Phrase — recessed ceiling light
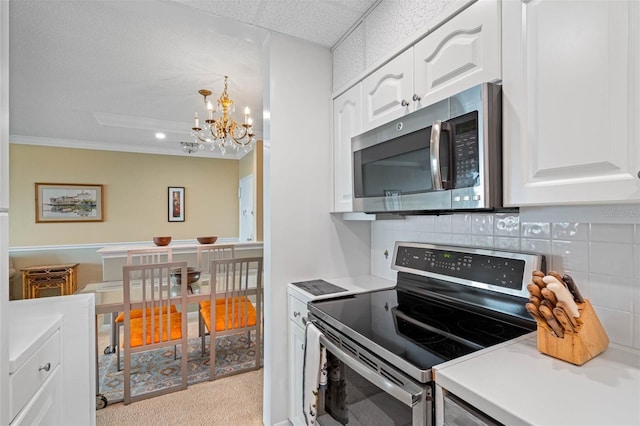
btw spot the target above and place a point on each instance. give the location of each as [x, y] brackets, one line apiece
[160, 135]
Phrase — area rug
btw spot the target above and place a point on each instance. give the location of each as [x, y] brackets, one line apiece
[154, 370]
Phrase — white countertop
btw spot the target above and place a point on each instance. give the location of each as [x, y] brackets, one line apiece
[353, 285]
[516, 384]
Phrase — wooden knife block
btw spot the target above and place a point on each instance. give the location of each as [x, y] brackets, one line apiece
[588, 341]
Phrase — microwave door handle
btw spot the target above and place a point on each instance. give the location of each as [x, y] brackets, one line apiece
[434, 156]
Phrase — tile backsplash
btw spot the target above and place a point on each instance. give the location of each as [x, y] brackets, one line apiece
[603, 258]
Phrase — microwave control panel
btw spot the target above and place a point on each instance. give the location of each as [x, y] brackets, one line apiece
[465, 141]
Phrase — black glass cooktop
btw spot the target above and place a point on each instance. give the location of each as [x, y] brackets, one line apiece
[423, 331]
[319, 287]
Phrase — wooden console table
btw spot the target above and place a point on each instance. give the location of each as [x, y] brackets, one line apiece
[35, 279]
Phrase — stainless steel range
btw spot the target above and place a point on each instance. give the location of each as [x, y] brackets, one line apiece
[448, 302]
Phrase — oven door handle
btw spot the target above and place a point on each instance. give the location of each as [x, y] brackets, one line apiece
[408, 393]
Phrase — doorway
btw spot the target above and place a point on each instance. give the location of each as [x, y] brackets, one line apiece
[245, 194]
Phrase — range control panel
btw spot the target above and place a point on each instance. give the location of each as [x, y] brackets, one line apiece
[488, 269]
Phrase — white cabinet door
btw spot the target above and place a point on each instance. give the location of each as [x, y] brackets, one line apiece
[387, 93]
[347, 122]
[45, 408]
[296, 361]
[571, 101]
[460, 54]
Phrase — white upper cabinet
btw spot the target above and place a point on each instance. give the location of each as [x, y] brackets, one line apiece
[387, 92]
[571, 101]
[462, 53]
[346, 124]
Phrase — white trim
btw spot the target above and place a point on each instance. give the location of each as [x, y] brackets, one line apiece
[97, 246]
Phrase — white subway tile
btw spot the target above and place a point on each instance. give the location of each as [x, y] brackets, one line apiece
[461, 239]
[426, 223]
[461, 223]
[442, 224]
[637, 239]
[441, 238]
[537, 246]
[411, 223]
[636, 331]
[611, 232]
[570, 231]
[482, 241]
[618, 325]
[571, 255]
[506, 225]
[636, 262]
[613, 292]
[611, 259]
[482, 224]
[411, 236]
[535, 230]
[426, 237]
[507, 243]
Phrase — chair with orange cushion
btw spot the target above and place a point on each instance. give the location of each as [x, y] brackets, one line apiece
[148, 321]
[140, 257]
[236, 306]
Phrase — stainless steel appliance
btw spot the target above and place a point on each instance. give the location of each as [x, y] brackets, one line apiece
[446, 156]
[448, 302]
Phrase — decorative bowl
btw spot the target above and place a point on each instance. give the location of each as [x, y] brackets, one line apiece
[161, 241]
[207, 240]
[193, 275]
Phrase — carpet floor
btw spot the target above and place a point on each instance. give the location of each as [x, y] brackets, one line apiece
[153, 370]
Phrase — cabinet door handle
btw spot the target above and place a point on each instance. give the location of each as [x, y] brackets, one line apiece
[45, 367]
[296, 314]
[416, 97]
[404, 103]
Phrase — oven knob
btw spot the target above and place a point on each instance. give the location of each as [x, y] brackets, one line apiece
[465, 198]
[476, 198]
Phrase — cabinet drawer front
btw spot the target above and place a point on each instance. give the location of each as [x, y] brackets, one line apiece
[26, 381]
[297, 310]
[45, 407]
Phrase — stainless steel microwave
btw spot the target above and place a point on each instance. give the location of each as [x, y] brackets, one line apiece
[443, 157]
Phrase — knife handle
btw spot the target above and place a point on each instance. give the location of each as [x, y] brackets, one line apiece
[565, 308]
[535, 313]
[548, 304]
[537, 274]
[549, 295]
[535, 300]
[539, 282]
[555, 275]
[551, 320]
[563, 319]
[534, 290]
[573, 288]
[563, 295]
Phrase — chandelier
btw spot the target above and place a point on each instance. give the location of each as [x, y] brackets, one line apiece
[224, 132]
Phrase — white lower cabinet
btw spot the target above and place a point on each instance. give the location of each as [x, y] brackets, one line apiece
[45, 407]
[35, 380]
[571, 101]
[297, 311]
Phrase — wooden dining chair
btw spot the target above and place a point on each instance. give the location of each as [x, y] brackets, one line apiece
[147, 294]
[140, 257]
[205, 253]
[236, 306]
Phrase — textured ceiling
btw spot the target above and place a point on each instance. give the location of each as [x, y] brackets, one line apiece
[110, 74]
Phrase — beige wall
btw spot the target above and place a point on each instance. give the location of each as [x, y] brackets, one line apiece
[135, 195]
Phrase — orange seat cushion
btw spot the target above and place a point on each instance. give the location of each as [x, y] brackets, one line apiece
[137, 332]
[240, 312]
[137, 313]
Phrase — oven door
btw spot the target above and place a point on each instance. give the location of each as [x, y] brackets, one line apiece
[372, 396]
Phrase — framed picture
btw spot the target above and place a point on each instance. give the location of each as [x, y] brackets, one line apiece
[176, 204]
[69, 202]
